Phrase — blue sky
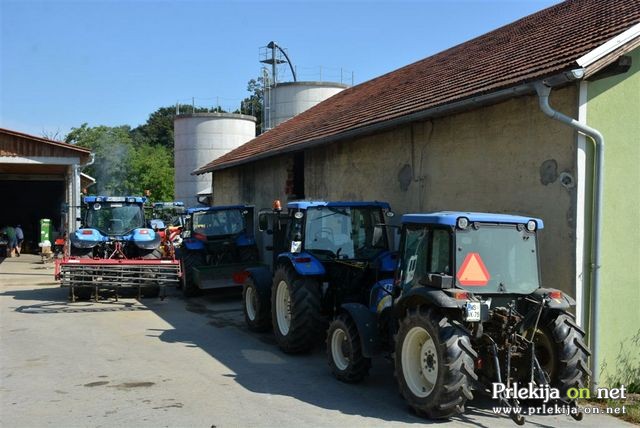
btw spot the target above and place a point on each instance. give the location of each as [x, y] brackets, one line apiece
[115, 62]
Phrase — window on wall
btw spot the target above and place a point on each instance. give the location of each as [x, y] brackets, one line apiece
[295, 177]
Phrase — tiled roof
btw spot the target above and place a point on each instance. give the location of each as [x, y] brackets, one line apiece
[539, 45]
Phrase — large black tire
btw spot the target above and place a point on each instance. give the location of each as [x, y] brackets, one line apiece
[561, 351]
[190, 259]
[437, 358]
[297, 322]
[344, 351]
[81, 293]
[256, 307]
[83, 253]
[150, 291]
[154, 254]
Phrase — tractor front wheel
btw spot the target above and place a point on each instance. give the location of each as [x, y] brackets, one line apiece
[434, 364]
[295, 311]
[344, 351]
[256, 307]
[190, 260]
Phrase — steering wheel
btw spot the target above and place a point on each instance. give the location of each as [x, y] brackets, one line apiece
[325, 232]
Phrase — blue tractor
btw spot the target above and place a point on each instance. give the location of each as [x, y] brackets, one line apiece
[325, 254]
[218, 246]
[115, 249]
[465, 309]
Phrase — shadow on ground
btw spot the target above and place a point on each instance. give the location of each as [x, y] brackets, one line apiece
[256, 363]
[215, 324]
[54, 300]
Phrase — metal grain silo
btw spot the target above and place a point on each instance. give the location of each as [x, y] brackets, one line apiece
[201, 138]
[286, 100]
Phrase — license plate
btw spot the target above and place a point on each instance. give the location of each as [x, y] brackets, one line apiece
[472, 311]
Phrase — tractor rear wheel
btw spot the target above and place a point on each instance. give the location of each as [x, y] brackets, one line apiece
[344, 351]
[434, 364]
[151, 290]
[561, 351]
[190, 260]
[295, 311]
[256, 308]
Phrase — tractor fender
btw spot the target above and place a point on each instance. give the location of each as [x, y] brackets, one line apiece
[564, 303]
[146, 239]
[367, 325]
[424, 296]
[261, 276]
[81, 240]
[245, 240]
[193, 244]
[387, 261]
[304, 263]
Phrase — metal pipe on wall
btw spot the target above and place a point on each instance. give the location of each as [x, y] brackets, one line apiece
[543, 92]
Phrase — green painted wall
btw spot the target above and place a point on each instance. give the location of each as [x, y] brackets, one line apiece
[614, 109]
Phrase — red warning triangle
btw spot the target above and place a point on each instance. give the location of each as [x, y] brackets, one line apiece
[473, 271]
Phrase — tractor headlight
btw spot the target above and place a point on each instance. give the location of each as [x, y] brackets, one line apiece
[462, 222]
[298, 215]
[531, 225]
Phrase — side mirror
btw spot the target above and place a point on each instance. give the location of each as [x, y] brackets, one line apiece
[263, 221]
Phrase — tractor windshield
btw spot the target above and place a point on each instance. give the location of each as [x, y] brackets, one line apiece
[497, 259]
[345, 232]
[114, 218]
[219, 222]
[170, 215]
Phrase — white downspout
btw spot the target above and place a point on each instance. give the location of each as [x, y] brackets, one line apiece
[543, 92]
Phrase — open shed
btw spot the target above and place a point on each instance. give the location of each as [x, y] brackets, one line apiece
[40, 179]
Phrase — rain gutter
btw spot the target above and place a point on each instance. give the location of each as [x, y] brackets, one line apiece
[543, 91]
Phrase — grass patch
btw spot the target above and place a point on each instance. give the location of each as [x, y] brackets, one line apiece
[631, 405]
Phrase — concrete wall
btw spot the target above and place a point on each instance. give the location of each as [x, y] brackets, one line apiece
[502, 158]
[614, 109]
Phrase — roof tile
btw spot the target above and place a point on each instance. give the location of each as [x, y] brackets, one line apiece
[536, 46]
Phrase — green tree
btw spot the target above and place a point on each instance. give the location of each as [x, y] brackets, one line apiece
[112, 147]
[253, 104]
[158, 129]
[151, 168]
[122, 167]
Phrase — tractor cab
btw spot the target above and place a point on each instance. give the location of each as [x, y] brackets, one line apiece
[488, 254]
[218, 246]
[329, 231]
[114, 215]
[224, 233]
[167, 214]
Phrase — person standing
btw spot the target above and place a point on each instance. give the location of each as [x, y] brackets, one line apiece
[11, 237]
[19, 239]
